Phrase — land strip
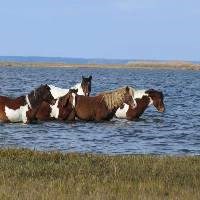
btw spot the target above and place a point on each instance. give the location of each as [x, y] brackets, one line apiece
[131, 65]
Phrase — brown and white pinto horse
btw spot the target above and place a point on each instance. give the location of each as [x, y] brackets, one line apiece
[62, 109]
[103, 106]
[24, 108]
[144, 98]
[84, 88]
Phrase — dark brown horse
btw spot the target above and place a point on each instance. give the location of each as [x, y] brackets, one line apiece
[103, 106]
[24, 108]
[144, 98]
[62, 109]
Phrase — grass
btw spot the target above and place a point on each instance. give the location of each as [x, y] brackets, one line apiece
[26, 174]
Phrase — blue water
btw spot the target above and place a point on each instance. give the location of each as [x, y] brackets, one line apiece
[175, 132]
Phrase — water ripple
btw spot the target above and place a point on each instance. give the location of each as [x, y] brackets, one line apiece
[177, 131]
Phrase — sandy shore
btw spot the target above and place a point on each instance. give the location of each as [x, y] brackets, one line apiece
[131, 65]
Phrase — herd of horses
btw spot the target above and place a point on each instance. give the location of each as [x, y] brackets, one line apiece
[48, 102]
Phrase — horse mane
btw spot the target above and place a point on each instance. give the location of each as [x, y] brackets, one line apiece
[114, 98]
[35, 96]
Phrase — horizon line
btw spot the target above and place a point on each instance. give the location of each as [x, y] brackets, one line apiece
[99, 58]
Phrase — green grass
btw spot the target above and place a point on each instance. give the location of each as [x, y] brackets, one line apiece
[26, 174]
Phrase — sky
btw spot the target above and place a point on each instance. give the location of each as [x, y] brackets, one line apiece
[121, 29]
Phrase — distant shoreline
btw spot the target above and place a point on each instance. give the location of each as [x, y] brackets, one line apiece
[131, 65]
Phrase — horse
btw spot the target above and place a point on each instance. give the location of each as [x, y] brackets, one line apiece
[103, 106]
[144, 99]
[84, 88]
[48, 112]
[62, 109]
[24, 108]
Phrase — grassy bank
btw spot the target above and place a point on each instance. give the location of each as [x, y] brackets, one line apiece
[29, 174]
[131, 65]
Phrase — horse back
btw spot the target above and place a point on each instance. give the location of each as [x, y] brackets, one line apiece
[13, 103]
[91, 108]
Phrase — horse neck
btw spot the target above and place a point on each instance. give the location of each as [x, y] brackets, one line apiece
[79, 87]
[32, 100]
[142, 105]
[113, 103]
[65, 111]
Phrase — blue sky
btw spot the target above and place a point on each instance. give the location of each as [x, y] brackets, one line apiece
[127, 29]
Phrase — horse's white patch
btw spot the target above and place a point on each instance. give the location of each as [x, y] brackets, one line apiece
[121, 113]
[80, 89]
[139, 94]
[135, 103]
[151, 101]
[55, 110]
[28, 102]
[18, 115]
[57, 92]
[74, 100]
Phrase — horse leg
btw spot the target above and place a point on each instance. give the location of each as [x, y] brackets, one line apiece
[43, 112]
[3, 117]
[109, 117]
[71, 116]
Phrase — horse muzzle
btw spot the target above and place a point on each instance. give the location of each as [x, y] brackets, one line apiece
[162, 109]
[133, 105]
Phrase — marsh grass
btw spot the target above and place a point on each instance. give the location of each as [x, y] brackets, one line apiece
[26, 174]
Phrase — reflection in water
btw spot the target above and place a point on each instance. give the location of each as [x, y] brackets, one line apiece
[177, 131]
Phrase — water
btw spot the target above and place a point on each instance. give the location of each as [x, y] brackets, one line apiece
[175, 132]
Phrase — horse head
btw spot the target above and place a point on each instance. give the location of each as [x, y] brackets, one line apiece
[40, 94]
[157, 99]
[86, 85]
[69, 98]
[128, 98]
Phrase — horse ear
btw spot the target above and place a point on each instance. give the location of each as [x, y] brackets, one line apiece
[46, 86]
[83, 77]
[127, 89]
[90, 77]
